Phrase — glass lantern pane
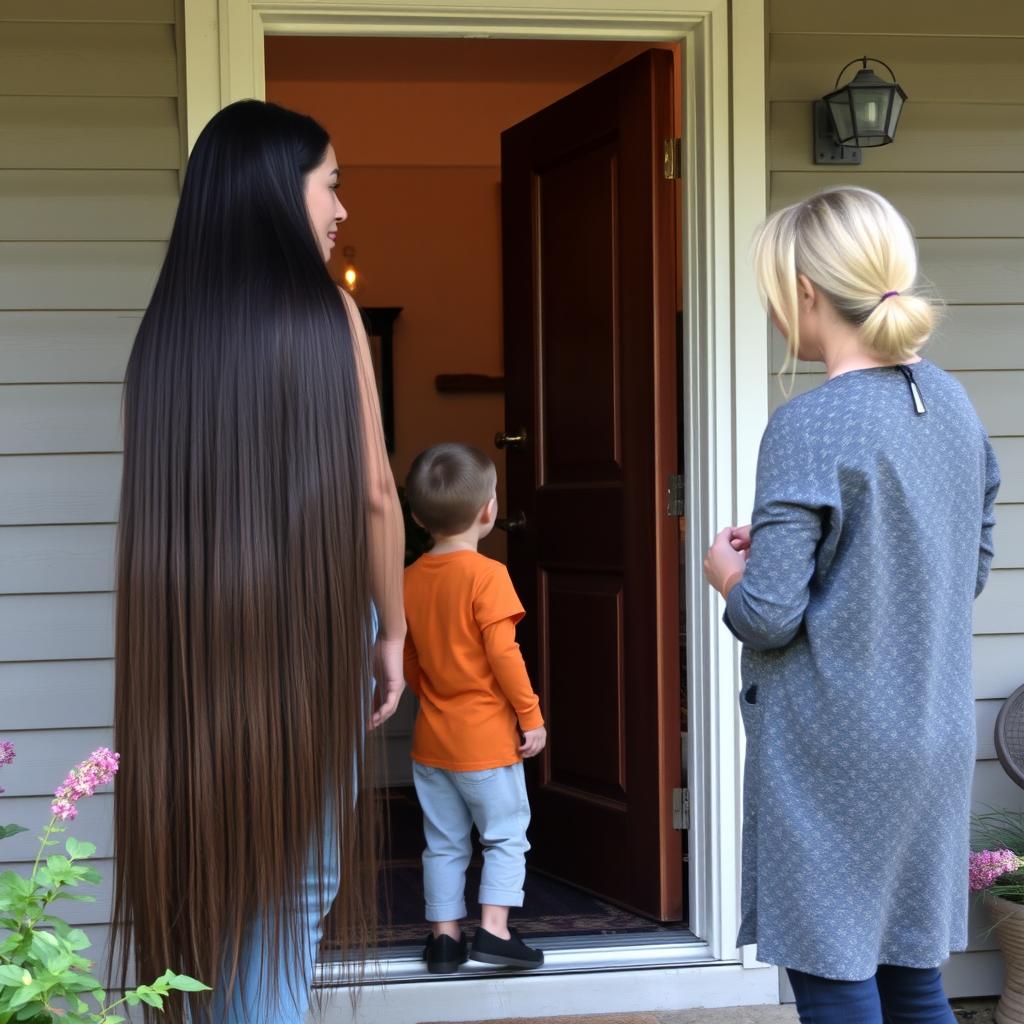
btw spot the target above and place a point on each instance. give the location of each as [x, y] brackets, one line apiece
[871, 107]
[842, 116]
[894, 114]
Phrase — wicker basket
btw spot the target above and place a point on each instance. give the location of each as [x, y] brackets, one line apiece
[1008, 919]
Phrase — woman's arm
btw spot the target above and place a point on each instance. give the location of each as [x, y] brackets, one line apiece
[385, 527]
[765, 606]
[988, 518]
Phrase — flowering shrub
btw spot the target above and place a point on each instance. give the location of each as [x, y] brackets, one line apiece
[988, 865]
[43, 975]
[997, 869]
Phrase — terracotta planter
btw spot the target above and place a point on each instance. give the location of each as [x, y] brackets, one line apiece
[1008, 919]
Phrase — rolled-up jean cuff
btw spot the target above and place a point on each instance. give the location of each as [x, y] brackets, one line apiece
[446, 911]
[501, 897]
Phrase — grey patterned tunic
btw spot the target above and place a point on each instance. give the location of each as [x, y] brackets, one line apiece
[871, 537]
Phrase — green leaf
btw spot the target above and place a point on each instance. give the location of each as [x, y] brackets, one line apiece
[77, 850]
[77, 939]
[131, 999]
[111, 1019]
[6, 831]
[89, 875]
[11, 975]
[15, 885]
[152, 998]
[75, 897]
[183, 983]
[24, 995]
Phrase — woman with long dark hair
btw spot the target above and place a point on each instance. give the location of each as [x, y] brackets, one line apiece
[260, 529]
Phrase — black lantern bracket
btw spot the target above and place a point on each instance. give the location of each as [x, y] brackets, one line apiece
[864, 112]
[826, 149]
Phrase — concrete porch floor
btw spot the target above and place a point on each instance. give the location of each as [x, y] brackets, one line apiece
[968, 1011]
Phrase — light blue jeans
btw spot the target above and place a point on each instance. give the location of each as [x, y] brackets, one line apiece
[453, 802]
[252, 1001]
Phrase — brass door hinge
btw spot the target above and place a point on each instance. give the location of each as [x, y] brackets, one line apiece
[680, 809]
[673, 159]
[676, 505]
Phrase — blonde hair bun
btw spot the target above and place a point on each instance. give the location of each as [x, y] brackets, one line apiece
[854, 245]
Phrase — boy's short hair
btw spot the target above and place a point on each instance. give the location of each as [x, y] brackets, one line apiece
[447, 486]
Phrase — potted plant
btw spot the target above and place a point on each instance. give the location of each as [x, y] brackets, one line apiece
[45, 975]
[997, 872]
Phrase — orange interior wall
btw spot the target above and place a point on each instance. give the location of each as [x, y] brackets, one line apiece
[416, 124]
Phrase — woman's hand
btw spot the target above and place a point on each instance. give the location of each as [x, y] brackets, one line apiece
[390, 675]
[724, 563]
[740, 538]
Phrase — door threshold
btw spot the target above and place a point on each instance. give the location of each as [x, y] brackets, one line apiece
[562, 955]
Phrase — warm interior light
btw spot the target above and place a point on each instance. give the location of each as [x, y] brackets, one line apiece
[350, 276]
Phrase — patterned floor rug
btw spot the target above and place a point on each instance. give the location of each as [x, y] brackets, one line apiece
[552, 908]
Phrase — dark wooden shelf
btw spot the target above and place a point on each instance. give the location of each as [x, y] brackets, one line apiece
[469, 383]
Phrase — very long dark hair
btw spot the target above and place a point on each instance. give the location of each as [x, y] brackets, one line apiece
[243, 604]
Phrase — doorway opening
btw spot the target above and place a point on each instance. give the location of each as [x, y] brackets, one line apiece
[417, 124]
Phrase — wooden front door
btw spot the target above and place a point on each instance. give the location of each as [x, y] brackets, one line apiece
[589, 233]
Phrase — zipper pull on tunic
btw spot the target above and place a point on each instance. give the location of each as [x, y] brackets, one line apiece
[915, 391]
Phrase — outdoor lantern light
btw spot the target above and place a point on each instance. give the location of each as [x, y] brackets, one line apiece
[864, 112]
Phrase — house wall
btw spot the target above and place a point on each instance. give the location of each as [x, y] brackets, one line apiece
[956, 171]
[90, 155]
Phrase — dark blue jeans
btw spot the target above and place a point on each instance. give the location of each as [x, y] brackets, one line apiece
[895, 995]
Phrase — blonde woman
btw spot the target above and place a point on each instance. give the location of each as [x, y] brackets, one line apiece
[851, 592]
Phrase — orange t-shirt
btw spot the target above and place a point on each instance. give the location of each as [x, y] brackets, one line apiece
[463, 662]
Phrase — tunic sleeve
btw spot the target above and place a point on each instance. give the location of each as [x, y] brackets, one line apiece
[988, 518]
[765, 609]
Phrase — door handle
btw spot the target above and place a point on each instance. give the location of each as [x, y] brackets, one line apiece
[516, 440]
[513, 524]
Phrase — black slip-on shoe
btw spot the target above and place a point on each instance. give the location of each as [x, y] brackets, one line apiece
[512, 952]
[443, 954]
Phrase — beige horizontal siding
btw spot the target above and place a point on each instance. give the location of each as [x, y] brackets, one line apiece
[78, 275]
[103, 11]
[932, 137]
[1000, 609]
[123, 133]
[45, 756]
[47, 59]
[42, 347]
[57, 694]
[93, 825]
[46, 489]
[995, 18]
[965, 338]
[953, 205]
[56, 560]
[45, 418]
[931, 69]
[90, 153]
[46, 627]
[997, 664]
[87, 206]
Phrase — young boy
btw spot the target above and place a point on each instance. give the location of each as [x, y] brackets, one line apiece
[463, 663]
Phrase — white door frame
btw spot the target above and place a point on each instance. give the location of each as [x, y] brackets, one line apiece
[726, 343]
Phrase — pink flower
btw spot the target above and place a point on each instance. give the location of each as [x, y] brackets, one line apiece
[988, 865]
[97, 770]
[6, 755]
